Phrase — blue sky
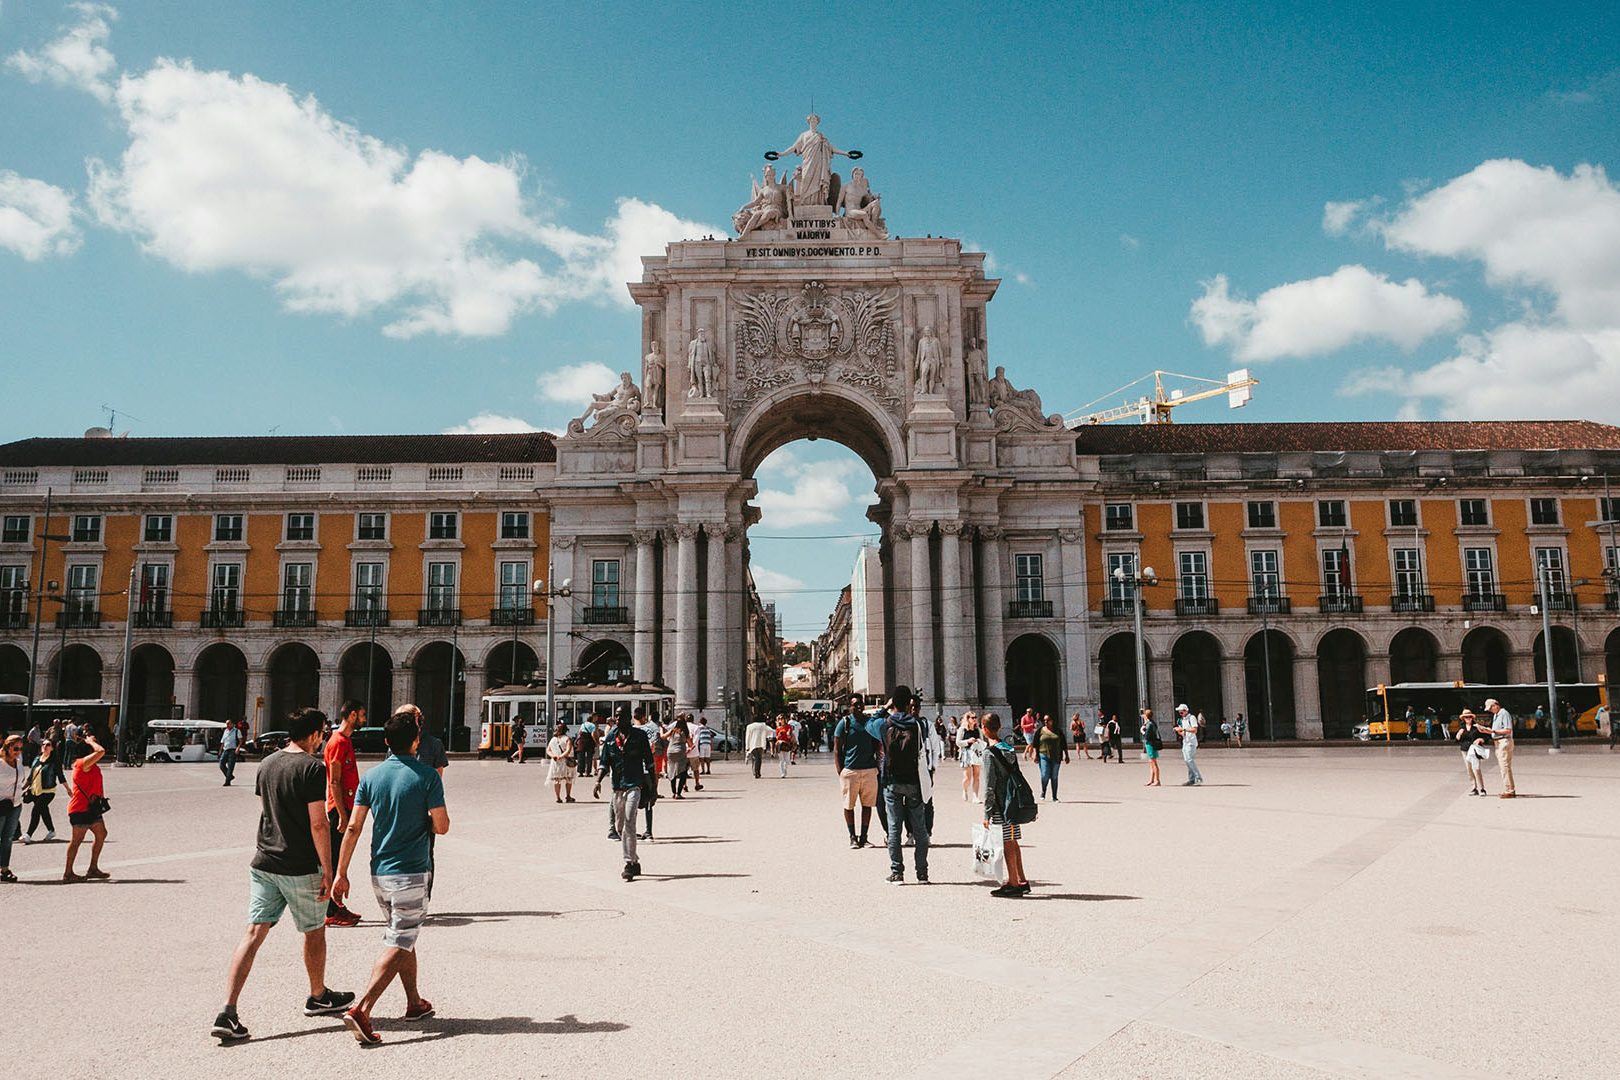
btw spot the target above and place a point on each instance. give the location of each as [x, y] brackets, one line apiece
[245, 217]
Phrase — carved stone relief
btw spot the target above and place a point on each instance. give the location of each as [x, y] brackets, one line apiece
[783, 338]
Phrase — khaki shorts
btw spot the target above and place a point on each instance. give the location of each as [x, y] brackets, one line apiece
[859, 785]
[271, 894]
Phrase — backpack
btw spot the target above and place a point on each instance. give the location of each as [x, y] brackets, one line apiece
[901, 743]
[1018, 804]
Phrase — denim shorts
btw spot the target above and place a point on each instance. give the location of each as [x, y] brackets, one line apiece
[403, 899]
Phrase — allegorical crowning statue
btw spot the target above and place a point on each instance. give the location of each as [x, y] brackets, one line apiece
[813, 184]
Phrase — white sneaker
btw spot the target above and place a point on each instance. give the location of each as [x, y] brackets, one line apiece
[50, 834]
[27, 839]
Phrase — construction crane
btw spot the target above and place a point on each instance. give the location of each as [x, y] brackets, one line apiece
[1156, 410]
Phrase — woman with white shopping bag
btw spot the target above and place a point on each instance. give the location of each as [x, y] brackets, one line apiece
[1002, 780]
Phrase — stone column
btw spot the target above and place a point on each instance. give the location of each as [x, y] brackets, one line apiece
[1235, 693]
[714, 601]
[955, 627]
[646, 634]
[1307, 699]
[258, 688]
[686, 616]
[330, 696]
[185, 685]
[995, 604]
[1078, 688]
[922, 611]
[968, 630]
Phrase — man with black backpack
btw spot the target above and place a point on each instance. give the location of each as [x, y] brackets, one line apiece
[906, 762]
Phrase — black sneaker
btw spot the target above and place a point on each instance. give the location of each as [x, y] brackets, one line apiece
[1008, 892]
[854, 843]
[613, 836]
[227, 1028]
[635, 868]
[629, 872]
[922, 879]
[330, 1003]
[862, 842]
[897, 878]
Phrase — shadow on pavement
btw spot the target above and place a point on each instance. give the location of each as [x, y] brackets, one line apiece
[1522, 795]
[468, 918]
[696, 840]
[689, 877]
[448, 1027]
[1087, 897]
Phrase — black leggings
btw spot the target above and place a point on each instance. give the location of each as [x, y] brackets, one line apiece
[42, 812]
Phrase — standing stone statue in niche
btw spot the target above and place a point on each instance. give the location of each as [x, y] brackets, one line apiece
[863, 208]
[702, 368]
[930, 363]
[978, 389]
[812, 184]
[654, 376]
[769, 205]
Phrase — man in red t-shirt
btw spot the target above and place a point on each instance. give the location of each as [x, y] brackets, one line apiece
[342, 780]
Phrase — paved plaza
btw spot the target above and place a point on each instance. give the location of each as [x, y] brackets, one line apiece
[1306, 913]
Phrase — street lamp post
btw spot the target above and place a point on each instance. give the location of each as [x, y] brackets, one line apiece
[120, 746]
[1545, 576]
[1136, 582]
[371, 649]
[450, 706]
[543, 588]
[45, 539]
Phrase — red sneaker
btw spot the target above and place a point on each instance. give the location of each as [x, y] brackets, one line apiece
[420, 1011]
[343, 918]
[359, 1023]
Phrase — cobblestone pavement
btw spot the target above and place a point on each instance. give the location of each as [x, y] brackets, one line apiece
[1305, 913]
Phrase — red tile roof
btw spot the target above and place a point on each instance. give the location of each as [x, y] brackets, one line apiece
[1377, 435]
[282, 450]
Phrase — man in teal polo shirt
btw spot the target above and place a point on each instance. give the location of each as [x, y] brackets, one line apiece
[405, 800]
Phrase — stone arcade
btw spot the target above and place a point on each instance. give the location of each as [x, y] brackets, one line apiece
[814, 322]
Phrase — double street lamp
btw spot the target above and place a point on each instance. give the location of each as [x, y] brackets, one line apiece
[1136, 583]
[542, 589]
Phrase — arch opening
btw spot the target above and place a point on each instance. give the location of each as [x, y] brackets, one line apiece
[13, 670]
[1270, 700]
[78, 672]
[1485, 653]
[1566, 659]
[151, 685]
[1034, 675]
[605, 661]
[1414, 656]
[1195, 676]
[440, 689]
[295, 683]
[1116, 680]
[366, 672]
[1341, 673]
[221, 683]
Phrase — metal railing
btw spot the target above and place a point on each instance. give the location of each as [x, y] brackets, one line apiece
[512, 616]
[438, 617]
[1197, 605]
[293, 617]
[154, 620]
[79, 618]
[1270, 605]
[365, 616]
[1339, 603]
[602, 615]
[1117, 607]
[1029, 609]
[221, 618]
[1409, 602]
[1484, 602]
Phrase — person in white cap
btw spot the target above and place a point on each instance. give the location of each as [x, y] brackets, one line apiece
[1187, 728]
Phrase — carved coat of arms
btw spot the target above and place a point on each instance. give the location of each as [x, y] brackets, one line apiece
[782, 338]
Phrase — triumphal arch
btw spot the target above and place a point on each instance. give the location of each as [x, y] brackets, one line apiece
[813, 320]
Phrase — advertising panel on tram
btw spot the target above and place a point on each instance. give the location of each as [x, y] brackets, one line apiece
[505, 706]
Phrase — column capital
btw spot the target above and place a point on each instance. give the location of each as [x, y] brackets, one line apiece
[916, 527]
[644, 536]
[685, 530]
[1071, 536]
[991, 532]
[563, 542]
[951, 528]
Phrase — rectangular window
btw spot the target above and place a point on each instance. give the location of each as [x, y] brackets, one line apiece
[1119, 517]
[227, 528]
[1550, 568]
[297, 586]
[605, 583]
[15, 529]
[1262, 515]
[154, 588]
[1479, 577]
[1473, 512]
[1028, 578]
[1194, 575]
[1609, 509]
[514, 585]
[300, 526]
[514, 525]
[368, 586]
[225, 588]
[441, 586]
[1408, 572]
[371, 527]
[1189, 515]
[1119, 584]
[1403, 512]
[1335, 572]
[13, 590]
[1264, 577]
[81, 588]
[87, 529]
[1544, 511]
[442, 526]
[1330, 514]
[159, 529]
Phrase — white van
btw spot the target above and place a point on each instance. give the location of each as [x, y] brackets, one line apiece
[183, 740]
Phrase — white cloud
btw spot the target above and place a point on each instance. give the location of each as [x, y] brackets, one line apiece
[78, 58]
[227, 172]
[36, 218]
[1529, 227]
[1337, 217]
[1129, 242]
[489, 423]
[1519, 370]
[573, 384]
[819, 493]
[774, 581]
[1321, 315]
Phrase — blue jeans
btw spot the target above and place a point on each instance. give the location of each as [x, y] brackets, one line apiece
[10, 819]
[227, 764]
[904, 803]
[1049, 773]
[1189, 754]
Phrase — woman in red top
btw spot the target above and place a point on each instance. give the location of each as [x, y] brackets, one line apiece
[84, 808]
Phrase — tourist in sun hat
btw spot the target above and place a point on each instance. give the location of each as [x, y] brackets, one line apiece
[1187, 728]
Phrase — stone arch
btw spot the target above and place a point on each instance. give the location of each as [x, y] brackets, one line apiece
[1034, 677]
[439, 686]
[1279, 721]
[295, 683]
[499, 669]
[1195, 674]
[78, 672]
[151, 683]
[1116, 679]
[1486, 654]
[1341, 673]
[367, 676]
[604, 660]
[804, 411]
[1566, 662]
[1611, 664]
[1414, 656]
[13, 670]
[221, 683]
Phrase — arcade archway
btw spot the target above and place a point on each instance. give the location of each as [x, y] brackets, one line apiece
[1485, 653]
[1414, 656]
[221, 683]
[440, 687]
[508, 663]
[1034, 678]
[1341, 674]
[367, 674]
[1195, 675]
[151, 683]
[1116, 681]
[1566, 663]
[604, 661]
[295, 683]
[78, 672]
[13, 670]
[1270, 687]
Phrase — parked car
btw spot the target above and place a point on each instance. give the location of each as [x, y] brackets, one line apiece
[183, 740]
[370, 740]
[264, 744]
